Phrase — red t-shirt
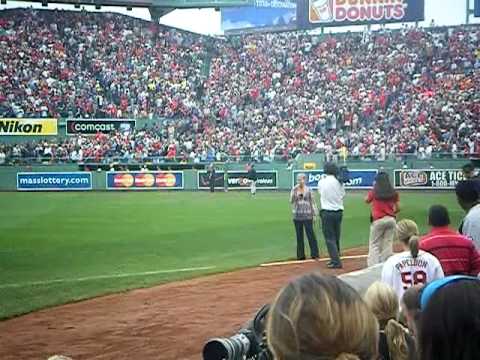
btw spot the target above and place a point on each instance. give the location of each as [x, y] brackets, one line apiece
[382, 208]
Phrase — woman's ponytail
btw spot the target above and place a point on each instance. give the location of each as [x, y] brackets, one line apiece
[346, 356]
[397, 343]
[413, 244]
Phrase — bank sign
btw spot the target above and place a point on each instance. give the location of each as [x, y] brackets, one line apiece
[94, 126]
[357, 12]
[357, 179]
[428, 178]
[28, 127]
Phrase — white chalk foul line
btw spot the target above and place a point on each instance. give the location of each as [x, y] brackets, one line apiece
[101, 277]
[292, 262]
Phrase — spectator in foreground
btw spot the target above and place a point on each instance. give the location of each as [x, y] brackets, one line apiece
[410, 306]
[468, 171]
[395, 343]
[384, 201]
[303, 208]
[412, 266]
[468, 198]
[450, 324]
[321, 317]
[456, 252]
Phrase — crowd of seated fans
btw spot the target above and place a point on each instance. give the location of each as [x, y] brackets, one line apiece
[410, 91]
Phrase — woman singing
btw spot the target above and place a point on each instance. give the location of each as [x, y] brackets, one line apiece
[384, 202]
[304, 209]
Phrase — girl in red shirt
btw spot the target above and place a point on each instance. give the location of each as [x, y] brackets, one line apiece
[384, 201]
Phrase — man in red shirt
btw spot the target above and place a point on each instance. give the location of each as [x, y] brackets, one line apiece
[457, 253]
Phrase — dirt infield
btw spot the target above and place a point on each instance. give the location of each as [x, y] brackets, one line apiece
[170, 321]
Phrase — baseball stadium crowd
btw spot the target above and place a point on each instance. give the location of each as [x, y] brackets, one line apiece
[412, 90]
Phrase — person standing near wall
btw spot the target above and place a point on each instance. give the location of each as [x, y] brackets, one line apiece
[332, 193]
[304, 208]
[384, 201]
[225, 177]
[211, 177]
[252, 176]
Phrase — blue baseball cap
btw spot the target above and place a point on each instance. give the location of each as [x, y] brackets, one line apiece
[434, 286]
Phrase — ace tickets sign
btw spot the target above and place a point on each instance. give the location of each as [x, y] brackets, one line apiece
[427, 178]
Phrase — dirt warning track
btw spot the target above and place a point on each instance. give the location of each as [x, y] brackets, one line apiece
[170, 321]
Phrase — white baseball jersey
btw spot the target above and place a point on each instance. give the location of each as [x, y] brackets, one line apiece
[401, 271]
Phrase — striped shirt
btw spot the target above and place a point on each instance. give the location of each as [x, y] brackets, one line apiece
[303, 204]
[457, 253]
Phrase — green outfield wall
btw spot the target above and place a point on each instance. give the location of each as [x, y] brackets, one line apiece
[440, 173]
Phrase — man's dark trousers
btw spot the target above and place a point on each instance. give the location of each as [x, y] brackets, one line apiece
[312, 241]
[331, 227]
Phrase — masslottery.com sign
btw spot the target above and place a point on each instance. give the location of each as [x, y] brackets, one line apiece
[54, 181]
[357, 179]
[358, 12]
[428, 178]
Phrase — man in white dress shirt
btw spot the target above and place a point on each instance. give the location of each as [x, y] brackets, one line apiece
[332, 193]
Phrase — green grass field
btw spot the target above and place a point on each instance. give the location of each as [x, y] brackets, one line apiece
[68, 238]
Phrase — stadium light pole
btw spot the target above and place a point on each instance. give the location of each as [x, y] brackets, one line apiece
[468, 12]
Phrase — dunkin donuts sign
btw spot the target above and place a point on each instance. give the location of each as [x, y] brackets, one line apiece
[351, 12]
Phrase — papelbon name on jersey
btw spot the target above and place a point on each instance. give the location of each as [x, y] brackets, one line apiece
[411, 262]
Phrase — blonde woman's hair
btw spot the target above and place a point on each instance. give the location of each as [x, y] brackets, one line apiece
[407, 233]
[383, 302]
[321, 317]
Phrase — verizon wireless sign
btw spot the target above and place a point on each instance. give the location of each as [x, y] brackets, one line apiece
[95, 126]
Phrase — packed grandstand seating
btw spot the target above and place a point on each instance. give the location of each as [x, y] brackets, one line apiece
[409, 91]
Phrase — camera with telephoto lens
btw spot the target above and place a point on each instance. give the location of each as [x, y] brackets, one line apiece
[343, 175]
[250, 343]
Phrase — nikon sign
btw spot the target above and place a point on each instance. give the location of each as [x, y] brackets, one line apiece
[28, 127]
[95, 126]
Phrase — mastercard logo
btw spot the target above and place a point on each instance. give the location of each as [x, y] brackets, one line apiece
[166, 180]
[144, 180]
[123, 180]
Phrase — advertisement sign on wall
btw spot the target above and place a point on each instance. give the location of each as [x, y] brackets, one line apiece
[137, 180]
[238, 180]
[359, 12]
[54, 181]
[428, 178]
[29, 127]
[358, 179]
[94, 126]
[270, 14]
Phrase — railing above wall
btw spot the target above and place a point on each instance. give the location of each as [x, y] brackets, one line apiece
[154, 161]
